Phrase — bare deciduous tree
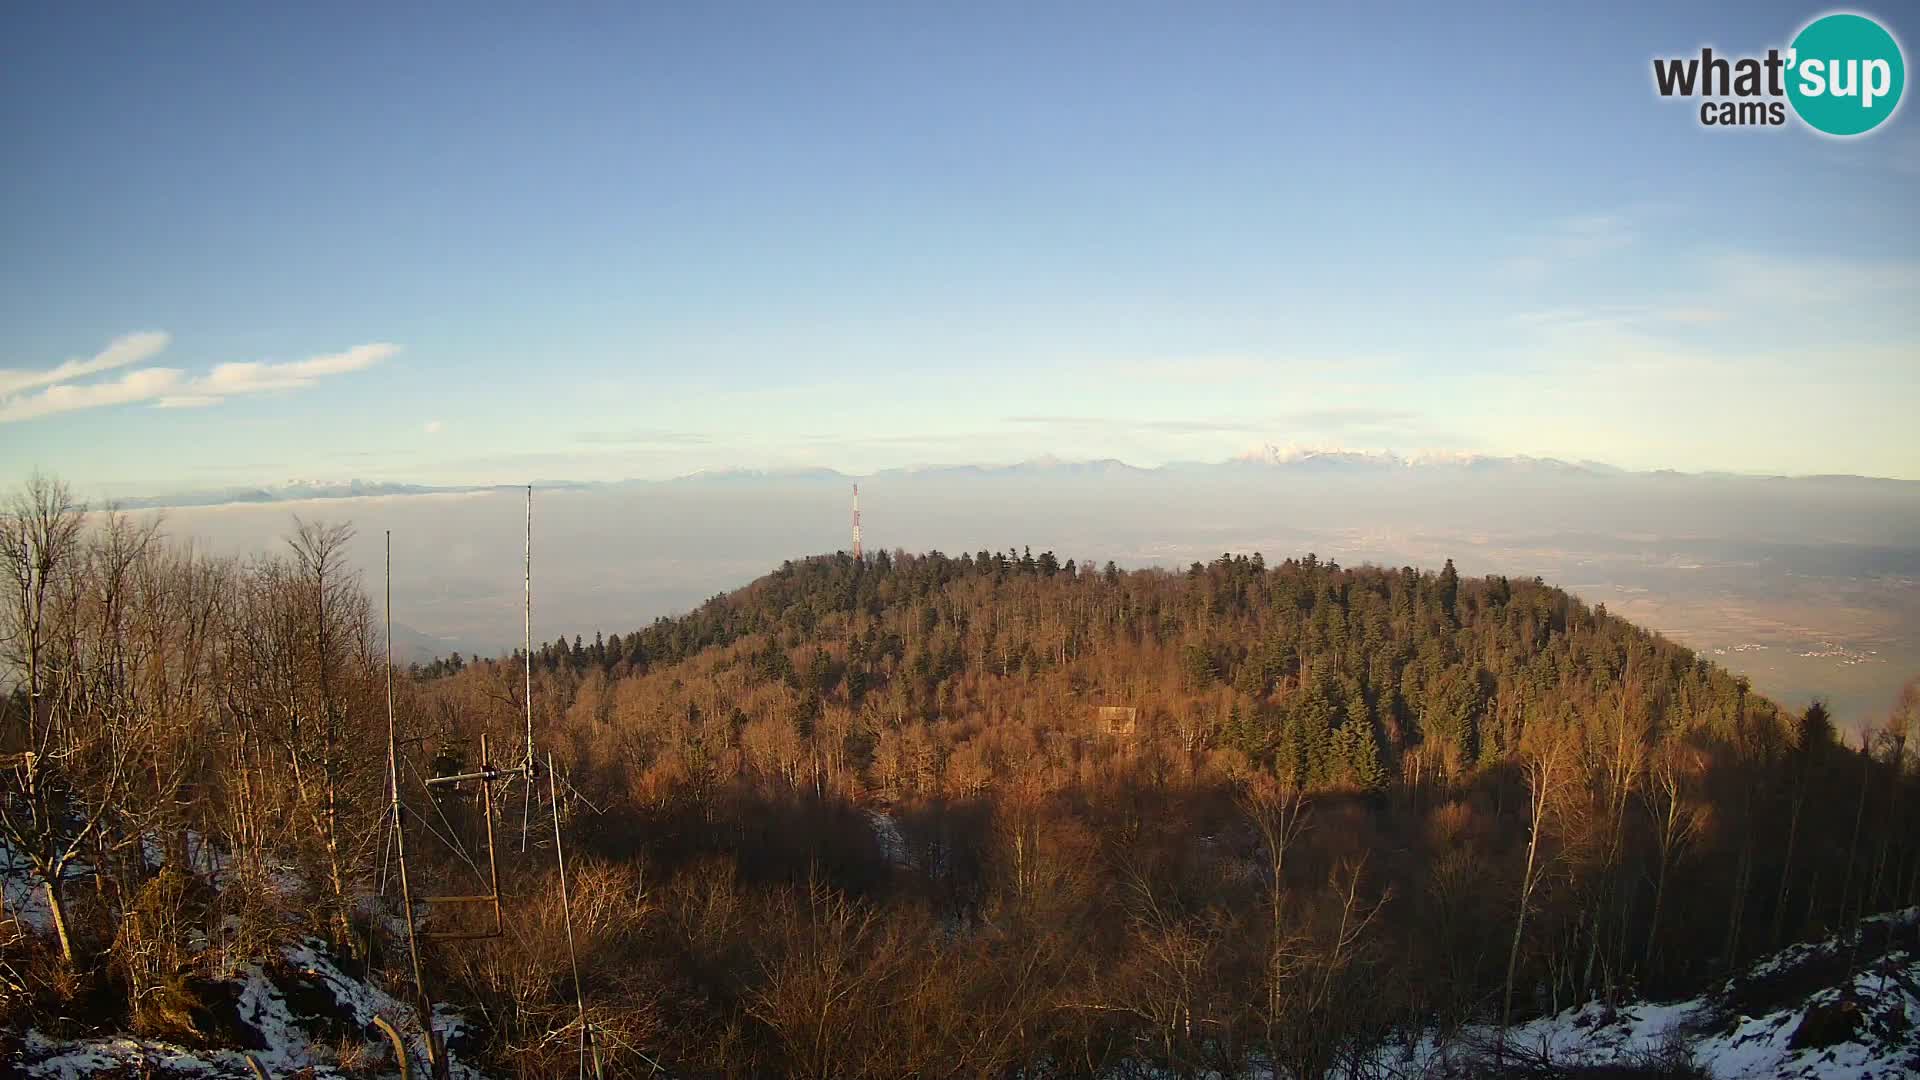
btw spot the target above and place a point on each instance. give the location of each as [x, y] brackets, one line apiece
[1279, 814]
[1545, 774]
[1675, 812]
[75, 729]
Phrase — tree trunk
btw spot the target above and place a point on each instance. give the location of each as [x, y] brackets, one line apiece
[1813, 899]
[1741, 879]
[57, 908]
[1853, 846]
[1786, 872]
[335, 878]
[1520, 923]
[1653, 922]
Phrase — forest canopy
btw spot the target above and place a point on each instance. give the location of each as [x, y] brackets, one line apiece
[1342, 803]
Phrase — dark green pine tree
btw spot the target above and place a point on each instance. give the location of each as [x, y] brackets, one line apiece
[1250, 677]
[1358, 752]
[1247, 732]
[1452, 713]
[820, 674]
[1200, 669]
[1492, 736]
[1310, 737]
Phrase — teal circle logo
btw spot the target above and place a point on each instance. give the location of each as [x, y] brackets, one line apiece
[1845, 74]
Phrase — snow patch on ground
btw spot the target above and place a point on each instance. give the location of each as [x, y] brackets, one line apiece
[26, 897]
[893, 844]
[263, 1003]
[1832, 1024]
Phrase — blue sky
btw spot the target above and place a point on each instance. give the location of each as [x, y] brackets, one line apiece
[457, 243]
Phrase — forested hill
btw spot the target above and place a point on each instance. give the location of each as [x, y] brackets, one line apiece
[1336, 675]
[1347, 801]
[907, 816]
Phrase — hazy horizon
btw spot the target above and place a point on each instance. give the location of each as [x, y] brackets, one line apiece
[1808, 588]
[394, 246]
[1374, 460]
[454, 251]
[1616, 299]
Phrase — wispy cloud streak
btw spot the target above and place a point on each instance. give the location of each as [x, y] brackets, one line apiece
[143, 385]
[165, 387]
[124, 351]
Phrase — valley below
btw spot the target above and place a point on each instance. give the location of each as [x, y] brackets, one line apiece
[1809, 588]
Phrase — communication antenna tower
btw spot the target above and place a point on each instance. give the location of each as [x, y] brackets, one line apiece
[436, 1052]
[486, 775]
[856, 522]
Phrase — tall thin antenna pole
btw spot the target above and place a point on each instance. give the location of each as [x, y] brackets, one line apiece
[566, 905]
[528, 761]
[435, 1057]
[856, 523]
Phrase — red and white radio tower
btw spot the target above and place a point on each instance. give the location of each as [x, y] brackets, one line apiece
[856, 521]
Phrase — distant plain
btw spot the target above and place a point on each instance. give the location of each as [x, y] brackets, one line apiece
[1810, 587]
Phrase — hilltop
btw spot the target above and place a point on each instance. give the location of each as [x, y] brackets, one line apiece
[1319, 745]
[907, 815]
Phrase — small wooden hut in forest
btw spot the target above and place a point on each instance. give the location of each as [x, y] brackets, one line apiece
[1117, 720]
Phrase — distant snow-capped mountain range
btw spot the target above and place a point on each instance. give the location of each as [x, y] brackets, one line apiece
[1294, 455]
[1265, 459]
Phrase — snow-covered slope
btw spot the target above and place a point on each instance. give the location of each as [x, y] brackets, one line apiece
[1841, 1008]
[306, 1012]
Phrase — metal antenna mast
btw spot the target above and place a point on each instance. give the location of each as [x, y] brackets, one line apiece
[436, 1056]
[527, 762]
[485, 776]
[856, 522]
[589, 1052]
[528, 766]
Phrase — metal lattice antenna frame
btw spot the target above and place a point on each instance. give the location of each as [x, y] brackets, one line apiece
[436, 1055]
[488, 773]
[485, 777]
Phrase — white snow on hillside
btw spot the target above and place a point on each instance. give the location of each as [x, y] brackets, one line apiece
[1798, 1013]
[1844, 1007]
[264, 1005]
[886, 833]
[25, 897]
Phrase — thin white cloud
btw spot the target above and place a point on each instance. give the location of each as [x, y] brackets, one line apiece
[1814, 281]
[166, 388]
[142, 385]
[1325, 418]
[1905, 155]
[227, 380]
[646, 436]
[1616, 316]
[125, 350]
[1694, 316]
[433, 427]
[1253, 370]
[1592, 234]
[1568, 240]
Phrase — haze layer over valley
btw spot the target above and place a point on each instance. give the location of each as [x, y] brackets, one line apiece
[1809, 586]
